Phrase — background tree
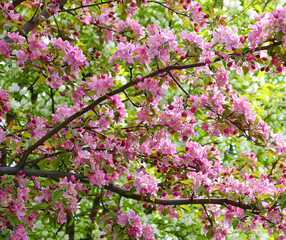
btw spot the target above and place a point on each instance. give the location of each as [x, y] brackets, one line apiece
[142, 120]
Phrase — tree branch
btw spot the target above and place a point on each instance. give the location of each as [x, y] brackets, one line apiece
[39, 173]
[15, 3]
[84, 6]
[21, 163]
[35, 21]
[178, 84]
[123, 193]
[182, 201]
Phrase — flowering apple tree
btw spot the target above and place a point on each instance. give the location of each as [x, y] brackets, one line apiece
[146, 119]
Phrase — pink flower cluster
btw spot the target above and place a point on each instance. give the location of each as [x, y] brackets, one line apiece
[268, 23]
[162, 43]
[72, 55]
[97, 177]
[100, 84]
[133, 226]
[4, 98]
[19, 233]
[129, 25]
[144, 183]
[4, 108]
[192, 38]
[227, 37]
[38, 127]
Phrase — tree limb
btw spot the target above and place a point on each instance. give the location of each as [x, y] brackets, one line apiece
[21, 163]
[39, 173]
[123, 193]
[182, 201]
[35, 21]
[15, 3]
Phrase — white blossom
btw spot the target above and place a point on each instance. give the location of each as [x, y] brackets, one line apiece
[14, 104]
[14, 88]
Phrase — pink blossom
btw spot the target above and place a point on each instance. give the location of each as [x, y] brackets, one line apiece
[133, 225]
[227, 37]
[72, 55]
[195, 40]
[241, 105]
[100, 84]
[16, 37]
[142, 55]
[22, 180]
[61, 217]
[97, 177]
[20, 210]
[19, 233]
[148, 233]
[222, 77]
[22, 57]
[129, 25]
[144, 183]
[63, 112]
[5, 48]
[45, 195]
[2, 136]
[124, 52]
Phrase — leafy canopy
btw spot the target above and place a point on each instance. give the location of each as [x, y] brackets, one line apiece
[142, 119]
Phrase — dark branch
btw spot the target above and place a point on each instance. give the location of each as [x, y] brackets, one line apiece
[39, 173]
[123, 193]
[178, 84]
[182, 201]
[17, 2]
[21, 163]
[35, 21]
[84, 6]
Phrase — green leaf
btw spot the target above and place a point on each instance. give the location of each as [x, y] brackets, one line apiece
[258, 8]
[270, 50]
[173, 85]
[263, 212]
[143, 139]
[170, 13]
[166, 211]
[123, 15]
[138, 3]
[283, 201]
[220, 218]
[120, 236]
[211, 11]
[56, 195]
[210, 233]
[245, 70]
[234, 223]
[187, 23]
[13, 220]
[180, 213]
[188, 182]
[36, 207]
[280, 35]
[130, 192]
[226, 113]
[247, 213]
[149, 94]
[186, 208]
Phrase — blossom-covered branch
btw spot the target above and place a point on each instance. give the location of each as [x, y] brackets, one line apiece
[38, 19]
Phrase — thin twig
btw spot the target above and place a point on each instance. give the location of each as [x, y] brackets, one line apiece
[135, 105]
[178, 84]
[240, 12]
[84, 6]
[211, 222]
